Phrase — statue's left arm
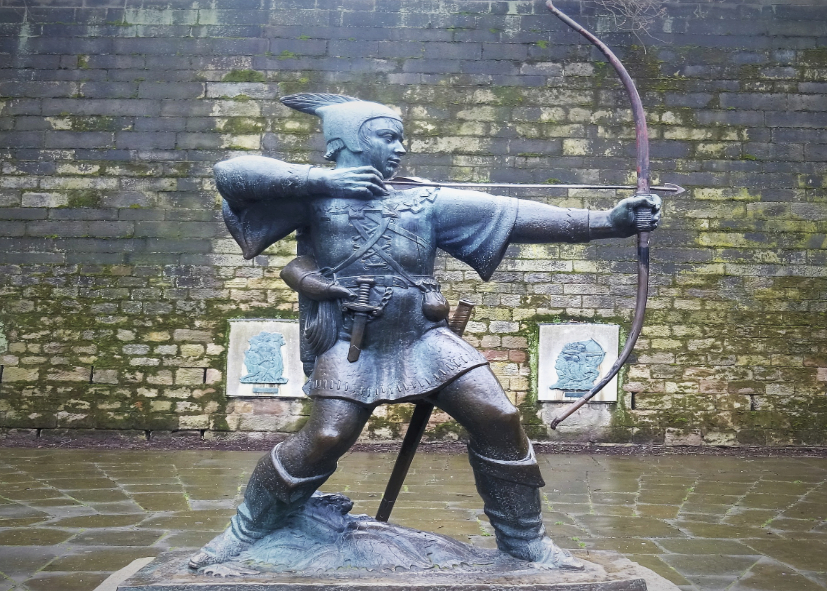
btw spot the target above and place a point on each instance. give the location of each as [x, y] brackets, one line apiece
[539, 223]
[476, 228]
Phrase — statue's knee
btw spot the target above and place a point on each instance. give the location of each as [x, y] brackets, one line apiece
[331, 439]
[502, 437]
[508, 419]
[496, 415]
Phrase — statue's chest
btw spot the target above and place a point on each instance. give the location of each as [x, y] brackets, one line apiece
[373, 235]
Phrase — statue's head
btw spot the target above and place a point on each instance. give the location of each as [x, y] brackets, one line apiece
[368, 132]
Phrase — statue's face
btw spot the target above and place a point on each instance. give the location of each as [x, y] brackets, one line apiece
[382, 143]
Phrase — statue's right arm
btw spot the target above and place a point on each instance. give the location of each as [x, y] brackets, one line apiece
[264, 200]
[267, 199]
[249, 179]
[246, 180]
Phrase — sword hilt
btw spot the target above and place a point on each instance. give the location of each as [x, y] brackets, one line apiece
[461, 316]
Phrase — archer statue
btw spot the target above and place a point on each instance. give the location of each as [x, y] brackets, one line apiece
[373, 320]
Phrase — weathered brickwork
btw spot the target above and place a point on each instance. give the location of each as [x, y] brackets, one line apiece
[117, 276]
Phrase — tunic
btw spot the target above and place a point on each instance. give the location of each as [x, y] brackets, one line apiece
[393, 240]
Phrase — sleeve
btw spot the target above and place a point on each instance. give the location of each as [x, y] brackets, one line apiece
[538, 223]
[475, 227]
[264, 200]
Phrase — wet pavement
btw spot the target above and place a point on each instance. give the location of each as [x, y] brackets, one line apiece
[69, 518]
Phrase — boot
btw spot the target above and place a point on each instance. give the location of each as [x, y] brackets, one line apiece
[510, 491]
[271, 495]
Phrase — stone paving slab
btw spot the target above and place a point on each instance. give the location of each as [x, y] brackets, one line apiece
[69, 518]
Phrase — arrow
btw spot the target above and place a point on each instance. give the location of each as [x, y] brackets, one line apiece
[406, 182]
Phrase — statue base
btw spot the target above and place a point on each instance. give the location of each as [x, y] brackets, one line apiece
[606, 571]
[322, 547]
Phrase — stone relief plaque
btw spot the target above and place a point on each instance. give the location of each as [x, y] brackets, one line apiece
[263, 359]
[573, 357]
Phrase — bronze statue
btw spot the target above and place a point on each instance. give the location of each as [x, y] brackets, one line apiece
[373, 319]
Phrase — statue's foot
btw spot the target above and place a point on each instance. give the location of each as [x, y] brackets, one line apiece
[222, 548]
[225, 570]
[546, 554]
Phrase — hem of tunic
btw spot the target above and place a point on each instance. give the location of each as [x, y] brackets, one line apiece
[389, 370]
[414, 397]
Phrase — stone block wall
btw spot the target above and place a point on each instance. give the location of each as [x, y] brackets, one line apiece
[117, 276]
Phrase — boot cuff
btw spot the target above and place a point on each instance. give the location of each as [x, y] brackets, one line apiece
[281, 484]
[525, 471]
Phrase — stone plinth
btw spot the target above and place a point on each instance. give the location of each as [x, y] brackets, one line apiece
[606, 572]
[322, 547]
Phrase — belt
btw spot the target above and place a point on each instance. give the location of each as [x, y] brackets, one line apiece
[382, 280]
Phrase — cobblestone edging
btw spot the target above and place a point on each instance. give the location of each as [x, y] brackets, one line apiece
[117, 275]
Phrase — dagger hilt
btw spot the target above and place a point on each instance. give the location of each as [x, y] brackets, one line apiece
[362, 303]
[364, 283]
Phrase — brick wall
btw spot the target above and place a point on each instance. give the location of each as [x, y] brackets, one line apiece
[117, 276]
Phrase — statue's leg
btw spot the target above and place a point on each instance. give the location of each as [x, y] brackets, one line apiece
[284, 479]
[505, 469]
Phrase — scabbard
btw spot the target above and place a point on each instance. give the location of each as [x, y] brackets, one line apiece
[416, 428]
[360, 310]
[356, 335]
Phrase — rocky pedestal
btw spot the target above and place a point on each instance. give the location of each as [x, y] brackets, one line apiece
[325, 548]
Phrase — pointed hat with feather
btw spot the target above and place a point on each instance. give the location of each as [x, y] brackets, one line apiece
[342, 116]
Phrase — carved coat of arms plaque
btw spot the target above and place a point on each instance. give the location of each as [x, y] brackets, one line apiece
[263, 359]
[578, 367]
[264, 363]
[573, 357]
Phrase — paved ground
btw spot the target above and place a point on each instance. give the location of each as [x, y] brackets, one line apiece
[68, 518]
